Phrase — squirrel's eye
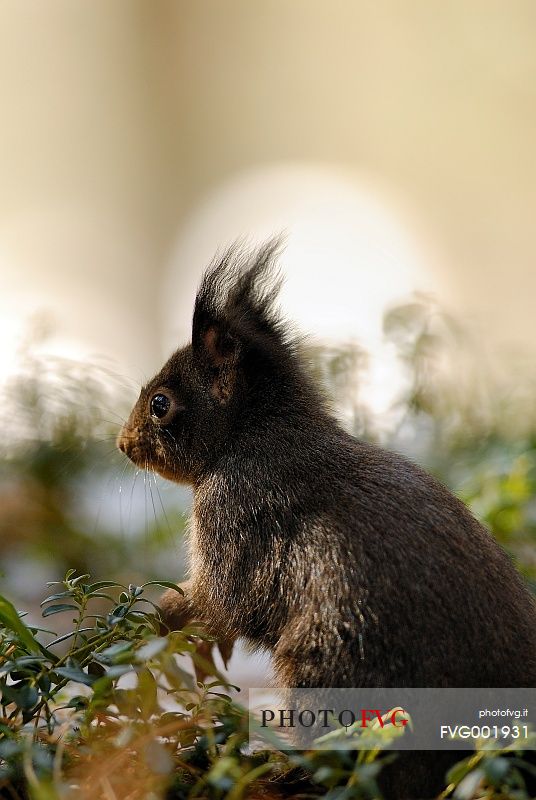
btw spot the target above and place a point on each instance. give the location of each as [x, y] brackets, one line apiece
[160, 406]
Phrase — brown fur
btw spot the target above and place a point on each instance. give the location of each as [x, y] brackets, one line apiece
[350, 564]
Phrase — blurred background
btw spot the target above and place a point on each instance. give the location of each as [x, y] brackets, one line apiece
[392, 143]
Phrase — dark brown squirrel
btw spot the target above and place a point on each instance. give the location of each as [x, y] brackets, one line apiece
[350, 564]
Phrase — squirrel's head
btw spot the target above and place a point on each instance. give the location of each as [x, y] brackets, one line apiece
[241, 369]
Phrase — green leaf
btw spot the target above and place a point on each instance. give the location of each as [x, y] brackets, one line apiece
[145, 620]
[68, 635]
[47, 612]
[58, 596]
[497, 769]
[459, 771]
[78, 579]
[102, 685]
[76, 675]
[469, 785]
[28, 696]
[116, 653]
[177, 676]
[102, 595]
[78, 702]
[126, 701]
[223, 773]
[147, 693]
[11, 620]
[22, 694]
[164, 585]
[20, 663]
[150, 650]
[34, 629]
[117, 614]
[94, 668]
[151, 620]
[93, 587]
[140, 618]
[118, 670]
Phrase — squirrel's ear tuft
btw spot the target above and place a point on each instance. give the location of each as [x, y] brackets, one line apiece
[234, 307]
[234, 314]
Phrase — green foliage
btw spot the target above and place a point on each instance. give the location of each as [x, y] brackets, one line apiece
[90, 700]
[491, 773]
[108, 711]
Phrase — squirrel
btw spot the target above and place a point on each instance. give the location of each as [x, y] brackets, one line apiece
[351, 565]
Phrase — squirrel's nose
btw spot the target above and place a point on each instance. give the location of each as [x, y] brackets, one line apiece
[122, 441]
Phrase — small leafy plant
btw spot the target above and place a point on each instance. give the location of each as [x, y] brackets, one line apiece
[107, 710]
[491, 773]
[92, 699]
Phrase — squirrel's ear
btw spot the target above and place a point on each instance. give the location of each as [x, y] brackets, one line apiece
[218, 344]
[220, 353]
[234, 316]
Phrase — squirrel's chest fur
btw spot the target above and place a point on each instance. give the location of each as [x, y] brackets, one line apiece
[241, 557]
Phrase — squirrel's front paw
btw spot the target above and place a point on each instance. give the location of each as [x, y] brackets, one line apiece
[206, 650]
[177, 612]
[175, 609]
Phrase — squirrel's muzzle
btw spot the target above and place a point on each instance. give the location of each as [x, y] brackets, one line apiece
[128, 442]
